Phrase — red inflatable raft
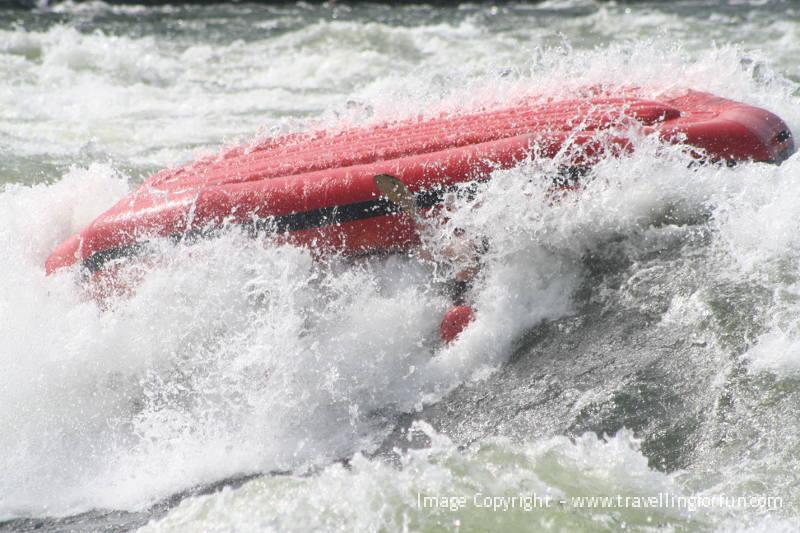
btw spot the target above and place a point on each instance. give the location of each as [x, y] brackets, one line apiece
[317, 189]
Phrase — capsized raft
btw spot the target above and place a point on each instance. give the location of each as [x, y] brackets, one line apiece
[317, 189]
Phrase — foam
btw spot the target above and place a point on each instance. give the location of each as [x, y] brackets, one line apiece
[235, 357]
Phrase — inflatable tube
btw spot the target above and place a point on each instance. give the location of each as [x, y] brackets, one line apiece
[317, 189]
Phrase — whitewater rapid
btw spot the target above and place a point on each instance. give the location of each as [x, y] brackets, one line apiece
[234, 358]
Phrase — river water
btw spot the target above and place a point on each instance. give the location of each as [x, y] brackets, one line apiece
[637, 340]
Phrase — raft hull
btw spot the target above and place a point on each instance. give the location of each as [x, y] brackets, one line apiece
[317, 189]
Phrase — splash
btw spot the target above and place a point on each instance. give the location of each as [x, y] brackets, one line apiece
[235, 357]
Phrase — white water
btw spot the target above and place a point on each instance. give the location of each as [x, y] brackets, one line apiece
[233, 357]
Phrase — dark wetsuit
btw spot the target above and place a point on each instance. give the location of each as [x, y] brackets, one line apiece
[457, 290]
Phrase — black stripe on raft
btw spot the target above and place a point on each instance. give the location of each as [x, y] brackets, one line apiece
[325, 216]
